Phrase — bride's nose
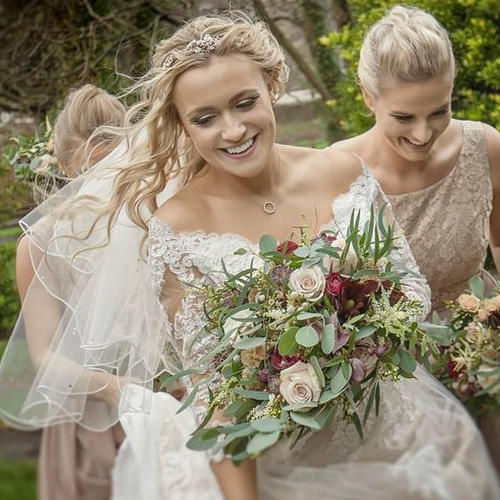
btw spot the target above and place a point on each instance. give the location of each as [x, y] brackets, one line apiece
[233, 129]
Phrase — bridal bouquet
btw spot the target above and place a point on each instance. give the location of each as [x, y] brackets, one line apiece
[306, 332]
[470, 365]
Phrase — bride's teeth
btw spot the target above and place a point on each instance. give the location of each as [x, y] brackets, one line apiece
[241, 148]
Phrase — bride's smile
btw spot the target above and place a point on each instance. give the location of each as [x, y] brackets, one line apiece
[226, 110]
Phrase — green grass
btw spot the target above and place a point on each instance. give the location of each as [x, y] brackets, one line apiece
[10, 232]
[18, 479]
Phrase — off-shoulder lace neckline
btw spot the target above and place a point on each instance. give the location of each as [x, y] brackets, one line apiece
[248, 241]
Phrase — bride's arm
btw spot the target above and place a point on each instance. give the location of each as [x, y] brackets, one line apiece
[237, 482]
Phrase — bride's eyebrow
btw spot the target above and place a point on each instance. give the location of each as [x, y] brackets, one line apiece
[207, 109]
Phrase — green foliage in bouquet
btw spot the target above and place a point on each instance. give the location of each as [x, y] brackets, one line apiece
[470, 364]
[305, 334]
[474, 28]
[32, 161]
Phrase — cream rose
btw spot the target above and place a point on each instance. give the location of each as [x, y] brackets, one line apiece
[482, 315]
[468, 302]
[299, 384]
[496, 300]
[309, 283]
[487, 380]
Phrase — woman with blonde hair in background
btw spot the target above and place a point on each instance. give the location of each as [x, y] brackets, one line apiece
[205, 121]
[75, 463]
[441, 175]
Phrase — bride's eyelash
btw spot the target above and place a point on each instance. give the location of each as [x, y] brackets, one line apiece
[247, 103]
[244, 104]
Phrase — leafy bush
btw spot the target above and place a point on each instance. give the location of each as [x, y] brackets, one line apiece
[474, 28]
[9, 301]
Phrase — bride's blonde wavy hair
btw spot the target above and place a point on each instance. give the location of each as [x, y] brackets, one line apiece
[157, 149]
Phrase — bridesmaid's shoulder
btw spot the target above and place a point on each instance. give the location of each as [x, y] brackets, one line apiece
[492, 145]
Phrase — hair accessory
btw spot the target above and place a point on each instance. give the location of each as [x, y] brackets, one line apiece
[207, 44]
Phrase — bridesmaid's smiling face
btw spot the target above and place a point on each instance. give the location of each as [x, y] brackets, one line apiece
[410, 116]
[226, 110]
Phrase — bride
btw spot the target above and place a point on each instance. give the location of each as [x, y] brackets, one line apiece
[206, 123]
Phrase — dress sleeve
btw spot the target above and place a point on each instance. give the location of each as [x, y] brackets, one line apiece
[176, 279]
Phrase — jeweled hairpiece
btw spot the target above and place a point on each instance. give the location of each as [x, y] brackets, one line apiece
[207, 44]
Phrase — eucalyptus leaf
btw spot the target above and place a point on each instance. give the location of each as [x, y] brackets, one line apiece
[317, 369]
[441, 334]
[406, 362]
[365, 331]
[299, 406]
[267, 244]
[261, 442]
[328, 339]
[266, 425]
[258, 395]
[302, 252]
[339, 382]
[307, 336]
[286, 343]
[304, 419]
[204, 440]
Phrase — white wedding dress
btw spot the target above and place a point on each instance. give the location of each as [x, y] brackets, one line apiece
[423, 445]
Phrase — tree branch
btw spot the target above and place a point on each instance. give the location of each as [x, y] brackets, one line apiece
[303, 66]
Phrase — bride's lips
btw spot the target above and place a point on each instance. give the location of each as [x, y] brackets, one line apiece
[244, 154]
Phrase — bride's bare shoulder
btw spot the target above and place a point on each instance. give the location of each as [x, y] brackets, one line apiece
[338, 167]
[181, 211]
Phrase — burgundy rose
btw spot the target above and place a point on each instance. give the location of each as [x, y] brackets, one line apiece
[355, 297]
[452, 370]
[334, 285]
[287, 247]
[396, 295]
[280, 362]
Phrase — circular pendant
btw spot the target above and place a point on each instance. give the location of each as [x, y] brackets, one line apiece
[269, 207]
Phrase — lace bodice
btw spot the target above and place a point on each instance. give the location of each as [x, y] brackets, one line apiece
[447, 224]
[188, 260]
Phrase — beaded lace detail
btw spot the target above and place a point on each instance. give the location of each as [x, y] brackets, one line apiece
[447, 224]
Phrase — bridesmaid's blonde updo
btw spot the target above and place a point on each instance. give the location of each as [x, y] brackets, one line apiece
[86, 109]
[407, 44]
